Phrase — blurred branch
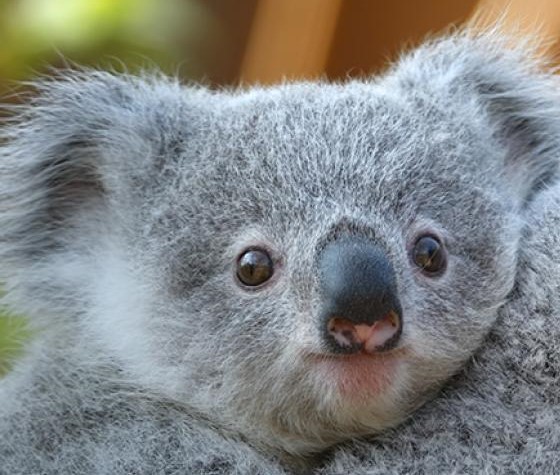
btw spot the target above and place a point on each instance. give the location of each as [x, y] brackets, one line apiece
[290, 38]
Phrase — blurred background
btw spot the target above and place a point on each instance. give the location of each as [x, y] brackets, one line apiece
[231, 42]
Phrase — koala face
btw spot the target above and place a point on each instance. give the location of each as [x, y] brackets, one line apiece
[299, 264]
[310, 279]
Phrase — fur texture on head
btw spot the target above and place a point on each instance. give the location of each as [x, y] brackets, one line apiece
[128, 205]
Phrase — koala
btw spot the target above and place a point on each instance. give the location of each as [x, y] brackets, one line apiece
[236, 281]
[502, 413]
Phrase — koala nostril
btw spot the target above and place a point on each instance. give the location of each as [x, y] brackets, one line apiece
[361, 336]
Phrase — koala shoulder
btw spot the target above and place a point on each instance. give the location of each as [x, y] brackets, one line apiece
[91, 428]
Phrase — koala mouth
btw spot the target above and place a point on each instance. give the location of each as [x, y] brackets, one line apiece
[367, 338]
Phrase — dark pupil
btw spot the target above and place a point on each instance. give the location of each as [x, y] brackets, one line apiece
[428, 254]
[254, 267]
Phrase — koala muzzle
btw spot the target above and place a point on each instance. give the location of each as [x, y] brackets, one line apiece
[361, 311]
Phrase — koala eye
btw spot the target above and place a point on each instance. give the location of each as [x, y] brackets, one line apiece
[254, 267]
[428, 254]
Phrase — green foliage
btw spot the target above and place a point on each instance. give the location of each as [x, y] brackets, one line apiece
[13, 333]
[37, 33]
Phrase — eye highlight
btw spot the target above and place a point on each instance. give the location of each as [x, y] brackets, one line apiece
[429, 255]
[254, 267]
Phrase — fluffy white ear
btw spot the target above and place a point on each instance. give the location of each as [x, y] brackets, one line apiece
[66, 159]
[502, 83]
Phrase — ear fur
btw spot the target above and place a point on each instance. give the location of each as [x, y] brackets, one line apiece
[64, 158]
[502, 83]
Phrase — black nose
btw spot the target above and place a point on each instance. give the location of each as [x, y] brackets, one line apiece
[361, 310]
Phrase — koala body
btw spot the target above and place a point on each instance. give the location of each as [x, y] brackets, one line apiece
[224, 280]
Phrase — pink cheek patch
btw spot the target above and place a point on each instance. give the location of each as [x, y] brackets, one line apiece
[370, 338]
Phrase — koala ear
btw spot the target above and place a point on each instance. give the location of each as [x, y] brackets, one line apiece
[504, 87]
[65, 158]
[52, 161]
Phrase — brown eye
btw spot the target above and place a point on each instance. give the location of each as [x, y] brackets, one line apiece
[254, 267]
[429, 255]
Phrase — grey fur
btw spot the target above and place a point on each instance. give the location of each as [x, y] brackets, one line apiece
[502, 413]
[125, 201]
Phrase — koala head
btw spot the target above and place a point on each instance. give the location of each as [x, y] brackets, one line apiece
[297, 264]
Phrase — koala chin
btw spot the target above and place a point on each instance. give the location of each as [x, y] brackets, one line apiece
[218, 279]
